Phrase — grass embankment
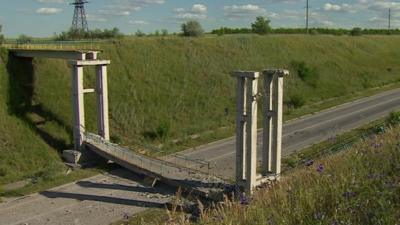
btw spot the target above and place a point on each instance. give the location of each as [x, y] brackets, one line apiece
[162, 89]
[358, 186]
[24, 154]
[166, 89]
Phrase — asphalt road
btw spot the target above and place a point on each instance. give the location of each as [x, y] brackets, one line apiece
[304, 132]
[107, 198]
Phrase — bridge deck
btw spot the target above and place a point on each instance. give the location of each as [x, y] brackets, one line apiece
[195, 181]
[59, 54]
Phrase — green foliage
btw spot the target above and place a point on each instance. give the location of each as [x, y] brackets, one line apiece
[226, 30]
[139, 33]
[92, 34]
[261, 26]
[1, 36]
[24, 39]
[314, 32]
[192, 29]
[357, 31]
[394, 118]
[306, 73]
[296, 101]
[164, 32]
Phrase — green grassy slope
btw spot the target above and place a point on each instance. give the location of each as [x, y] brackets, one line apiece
[22, 152]
[176, 87]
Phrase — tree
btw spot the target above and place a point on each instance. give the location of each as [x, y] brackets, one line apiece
[1, 36]
[139, 33]
[164, 32]
[24, 39]
[261, 26]
[356, 31]
[192, 29]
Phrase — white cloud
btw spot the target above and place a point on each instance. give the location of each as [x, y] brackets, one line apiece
[245, 11]
[51, 1]
[138, 22]
[49, 11]
[198, 12]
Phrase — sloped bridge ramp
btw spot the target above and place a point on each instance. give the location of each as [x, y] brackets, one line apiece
[196, 182]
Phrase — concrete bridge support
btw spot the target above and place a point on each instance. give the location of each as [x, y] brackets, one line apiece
[78, 99]
[246, 133]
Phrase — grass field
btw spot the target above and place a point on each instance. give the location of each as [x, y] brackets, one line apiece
[166, 89]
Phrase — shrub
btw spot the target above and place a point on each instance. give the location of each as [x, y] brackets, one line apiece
[296, 101]
[139, 33]
[92, 34]
[1, 36]
[192, 29]
[314, 32]
[394, 118]
[356, 31]
[306, 73]
[164, 32]
[261, 26]
[24, 39]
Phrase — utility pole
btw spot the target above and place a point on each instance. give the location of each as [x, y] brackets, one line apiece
[390, 18]
[307, 15]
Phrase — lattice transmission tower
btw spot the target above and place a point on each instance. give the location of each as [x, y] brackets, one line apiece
[79, 22]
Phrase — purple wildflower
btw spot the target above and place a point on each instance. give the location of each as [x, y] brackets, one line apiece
[244, 200]
[320, 168]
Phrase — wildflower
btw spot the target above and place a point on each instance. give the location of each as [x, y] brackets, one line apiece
[243, 199]
[320, 168]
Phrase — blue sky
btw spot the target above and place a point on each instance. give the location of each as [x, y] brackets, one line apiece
[42, 18]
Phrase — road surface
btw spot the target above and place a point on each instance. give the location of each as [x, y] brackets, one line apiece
[107, 198]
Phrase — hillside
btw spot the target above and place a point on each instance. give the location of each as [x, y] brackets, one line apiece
[162, 89]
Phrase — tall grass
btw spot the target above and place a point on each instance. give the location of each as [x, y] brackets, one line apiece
[359, 186]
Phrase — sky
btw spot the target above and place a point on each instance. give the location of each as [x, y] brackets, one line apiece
[43, 18]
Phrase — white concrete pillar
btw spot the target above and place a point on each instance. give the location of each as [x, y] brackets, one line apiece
[277, 122]
[78, 106]
[267, 124]
[241, 129]
[251, 132]
[102, 102]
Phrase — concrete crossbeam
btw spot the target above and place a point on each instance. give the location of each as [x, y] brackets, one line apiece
[58, 54]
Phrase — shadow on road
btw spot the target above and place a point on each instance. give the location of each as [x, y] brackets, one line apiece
[113, 200]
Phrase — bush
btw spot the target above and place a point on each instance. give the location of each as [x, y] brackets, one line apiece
[394, 118]
[1, 36]
[164, 32]
[296, 101]
[139, 33]
[261, 26]
[192, 29]
[92, 34]
[306, 73]
[356, 31]
[24, 39]
[314, 32]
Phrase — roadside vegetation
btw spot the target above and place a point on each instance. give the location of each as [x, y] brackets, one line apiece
[172, 93]
[357, 184]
